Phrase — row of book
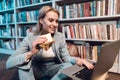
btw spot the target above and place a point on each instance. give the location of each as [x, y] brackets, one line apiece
[84, 51]
[8, 44]
[6, 18]
[24, 16]
[91, 31]
[7, 32]
[28, 2]
[2, 18]
[87, 51]
[91, 8]
[27, 16]
[10, 18]
[23, 31]
[6, 4]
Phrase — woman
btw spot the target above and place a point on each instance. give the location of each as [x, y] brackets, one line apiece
[31, 61]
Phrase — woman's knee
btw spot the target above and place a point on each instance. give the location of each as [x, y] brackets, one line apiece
[26, 74]
[66, 64]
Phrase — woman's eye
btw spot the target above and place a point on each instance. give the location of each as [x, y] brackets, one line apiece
[51, 20]
[56, 21]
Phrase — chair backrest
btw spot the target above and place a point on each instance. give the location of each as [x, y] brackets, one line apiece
[106, 60]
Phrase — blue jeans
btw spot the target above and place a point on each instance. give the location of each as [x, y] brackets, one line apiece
[59, 75]
[54, 72]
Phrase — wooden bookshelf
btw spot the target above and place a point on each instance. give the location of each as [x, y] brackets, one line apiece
[98, 12]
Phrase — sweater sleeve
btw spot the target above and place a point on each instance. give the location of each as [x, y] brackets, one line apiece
[64, 51]
[18, 58]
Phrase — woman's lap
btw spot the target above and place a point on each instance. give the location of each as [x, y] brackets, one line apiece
[49, 72]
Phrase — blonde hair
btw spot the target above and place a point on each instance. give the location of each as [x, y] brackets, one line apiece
[42, 14]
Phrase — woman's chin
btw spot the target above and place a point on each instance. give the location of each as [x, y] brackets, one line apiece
[51, 32]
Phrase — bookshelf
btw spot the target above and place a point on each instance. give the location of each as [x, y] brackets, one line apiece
[90, 23]
[17, 16]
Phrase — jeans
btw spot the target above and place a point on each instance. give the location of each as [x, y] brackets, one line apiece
[59, 75]
[53, 73]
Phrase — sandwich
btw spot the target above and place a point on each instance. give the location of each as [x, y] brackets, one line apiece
[48, 43]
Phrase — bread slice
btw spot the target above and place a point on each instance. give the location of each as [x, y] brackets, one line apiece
[49, 41]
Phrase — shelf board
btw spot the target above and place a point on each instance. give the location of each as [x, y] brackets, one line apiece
[26, 23]
[11, 23]
[91, 41]
[21, 37]
[4, 24]
[7, 37]
[34, 6]
[7, 11]
[90, 19]
[66, 2]
[6, 51]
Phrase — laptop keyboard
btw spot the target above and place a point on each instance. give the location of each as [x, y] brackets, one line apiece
[83, 74]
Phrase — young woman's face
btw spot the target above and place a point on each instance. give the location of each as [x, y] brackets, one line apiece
[49, 22]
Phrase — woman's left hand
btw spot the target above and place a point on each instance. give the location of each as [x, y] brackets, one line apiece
[80, 61]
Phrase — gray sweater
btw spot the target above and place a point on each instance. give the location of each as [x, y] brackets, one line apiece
[18, 58]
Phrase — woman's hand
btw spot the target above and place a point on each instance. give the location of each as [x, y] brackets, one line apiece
[40, 40]
[85, 62]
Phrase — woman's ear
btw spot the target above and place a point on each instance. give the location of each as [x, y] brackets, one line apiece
[41, 21]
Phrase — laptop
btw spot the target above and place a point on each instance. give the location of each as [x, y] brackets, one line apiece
[105, 61]
[77, 72]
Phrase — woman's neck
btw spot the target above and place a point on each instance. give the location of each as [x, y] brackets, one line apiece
[43, 32]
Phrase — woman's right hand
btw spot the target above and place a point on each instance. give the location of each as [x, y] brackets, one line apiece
[80, 62]
[40, 40]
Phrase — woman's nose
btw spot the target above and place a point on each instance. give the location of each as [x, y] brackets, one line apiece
[55, 24]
